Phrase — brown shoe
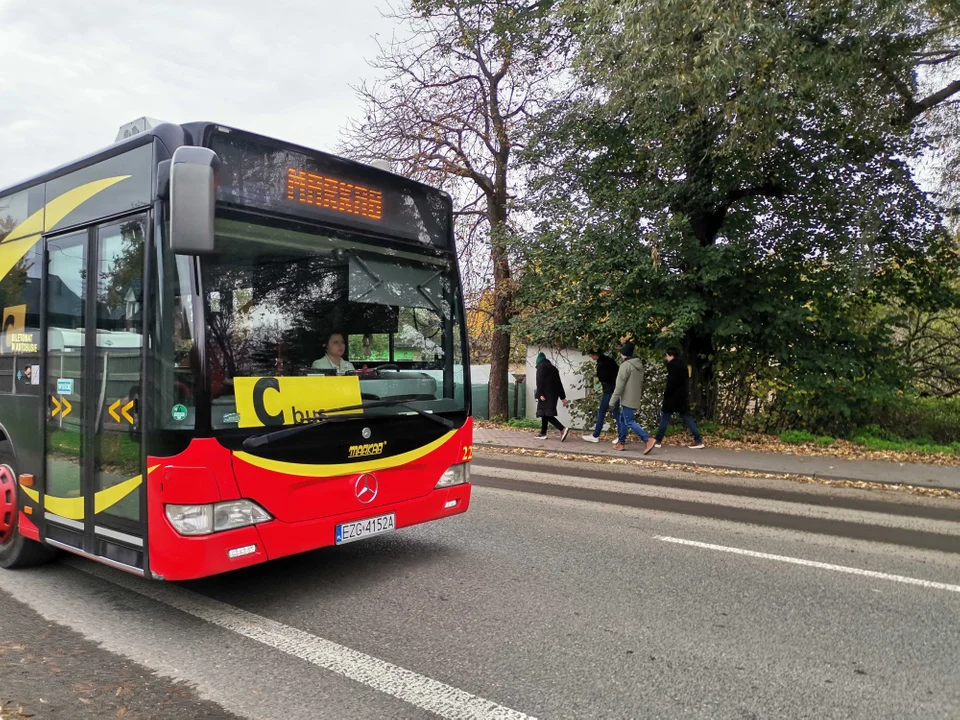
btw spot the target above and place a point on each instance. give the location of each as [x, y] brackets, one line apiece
[619, 446]
[650, 443]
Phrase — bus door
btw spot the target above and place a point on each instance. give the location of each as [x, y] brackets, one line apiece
[93, 487]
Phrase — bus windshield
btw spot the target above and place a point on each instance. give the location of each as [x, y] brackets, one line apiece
[307, 302]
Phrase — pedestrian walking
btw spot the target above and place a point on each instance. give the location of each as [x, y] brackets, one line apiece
[676, 400]
[607, 375]
[629, 393]
[548, 392]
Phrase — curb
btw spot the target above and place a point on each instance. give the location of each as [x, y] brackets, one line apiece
[730, 468]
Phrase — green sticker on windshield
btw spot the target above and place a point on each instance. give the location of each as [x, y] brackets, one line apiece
[179, 412]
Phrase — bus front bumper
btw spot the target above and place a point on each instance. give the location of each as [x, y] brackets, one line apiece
[177, 557]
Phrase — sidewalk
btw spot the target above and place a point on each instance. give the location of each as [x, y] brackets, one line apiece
[878, 471]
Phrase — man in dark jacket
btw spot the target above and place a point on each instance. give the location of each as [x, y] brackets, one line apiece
[607, 375]
[675, 400]
[549, 390]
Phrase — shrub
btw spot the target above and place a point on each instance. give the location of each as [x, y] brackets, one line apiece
[731, 434]
[708, 427]
[583, 412]
[917, 418]
[825, 441]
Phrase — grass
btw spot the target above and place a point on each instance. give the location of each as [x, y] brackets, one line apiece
[920, 447]
[797, 437]
[525, 423]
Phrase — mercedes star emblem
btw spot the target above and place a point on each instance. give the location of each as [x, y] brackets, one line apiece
[366, 432]
[366, 488]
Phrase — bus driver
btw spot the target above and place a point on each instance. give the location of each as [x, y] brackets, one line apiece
[333, 360]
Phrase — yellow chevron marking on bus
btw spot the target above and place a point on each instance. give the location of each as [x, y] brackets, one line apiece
[306, 470]
[22, 237]
[72, 508]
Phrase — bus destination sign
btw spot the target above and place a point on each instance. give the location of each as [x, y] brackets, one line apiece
[263, 174]
[332, 194]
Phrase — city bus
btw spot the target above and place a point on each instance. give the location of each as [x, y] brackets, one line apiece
[220, 349]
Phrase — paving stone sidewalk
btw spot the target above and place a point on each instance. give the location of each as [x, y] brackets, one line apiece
[881, 471]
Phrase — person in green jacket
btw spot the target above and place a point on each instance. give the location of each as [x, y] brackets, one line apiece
[629, 393]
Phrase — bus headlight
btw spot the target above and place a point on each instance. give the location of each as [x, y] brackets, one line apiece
[237, 513]
[207, 519]
[455, 475]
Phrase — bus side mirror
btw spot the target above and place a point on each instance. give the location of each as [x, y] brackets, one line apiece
[193, 190]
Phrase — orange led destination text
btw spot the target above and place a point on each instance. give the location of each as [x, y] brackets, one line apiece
[332, 194]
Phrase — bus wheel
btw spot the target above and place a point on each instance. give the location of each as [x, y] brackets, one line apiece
[15, 549]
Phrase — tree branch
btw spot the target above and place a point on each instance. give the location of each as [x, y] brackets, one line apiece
[919, 107]
[770, 189]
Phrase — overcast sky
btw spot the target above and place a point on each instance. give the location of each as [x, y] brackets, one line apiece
[72, 71]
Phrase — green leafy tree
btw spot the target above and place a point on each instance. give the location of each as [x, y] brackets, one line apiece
[732, 177]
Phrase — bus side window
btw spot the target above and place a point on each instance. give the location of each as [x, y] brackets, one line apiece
[20, 329]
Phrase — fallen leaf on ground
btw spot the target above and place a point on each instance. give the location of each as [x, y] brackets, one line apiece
[757, 442]
[600, 460]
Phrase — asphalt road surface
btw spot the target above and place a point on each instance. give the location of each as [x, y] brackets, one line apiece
[568, 591]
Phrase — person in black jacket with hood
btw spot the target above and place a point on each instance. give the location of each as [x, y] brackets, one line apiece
[549, 390]
[607, 369]
[675, 400]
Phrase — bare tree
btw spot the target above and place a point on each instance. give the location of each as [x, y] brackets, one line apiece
[451, 108]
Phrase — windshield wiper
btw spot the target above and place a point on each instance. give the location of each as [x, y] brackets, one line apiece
[323, 416]
[255, 441]
[449, 424]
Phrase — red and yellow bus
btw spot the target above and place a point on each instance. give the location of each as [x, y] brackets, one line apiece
[219, 349]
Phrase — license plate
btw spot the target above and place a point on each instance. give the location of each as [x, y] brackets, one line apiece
[360, 529]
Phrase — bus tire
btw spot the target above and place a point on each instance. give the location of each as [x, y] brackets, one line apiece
[15, 550]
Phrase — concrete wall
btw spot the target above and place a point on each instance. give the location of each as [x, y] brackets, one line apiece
[568, 362]
[480, 385]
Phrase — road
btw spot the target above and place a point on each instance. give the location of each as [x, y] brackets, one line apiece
[568, 591]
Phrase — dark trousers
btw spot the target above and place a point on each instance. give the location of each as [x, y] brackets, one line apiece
[687, 420]
[602, 413]
[553, 421]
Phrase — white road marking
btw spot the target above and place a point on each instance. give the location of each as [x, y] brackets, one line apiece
[418, 690]
[813, 563]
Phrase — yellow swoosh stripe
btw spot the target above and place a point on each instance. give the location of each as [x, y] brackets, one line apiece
[60, 207]
[72, 508]
[21, 239]
[305, 470]
[12, 252]
[31, 226]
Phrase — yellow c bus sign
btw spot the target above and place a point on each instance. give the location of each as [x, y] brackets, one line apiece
[276, 401]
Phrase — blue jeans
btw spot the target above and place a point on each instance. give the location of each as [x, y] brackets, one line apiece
[687, 420]
[627, 423]
[602, 413]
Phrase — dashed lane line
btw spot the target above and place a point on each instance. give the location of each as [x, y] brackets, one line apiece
[813, 563]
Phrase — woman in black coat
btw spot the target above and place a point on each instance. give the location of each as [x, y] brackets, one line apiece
[548, 392]
[676, 400]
